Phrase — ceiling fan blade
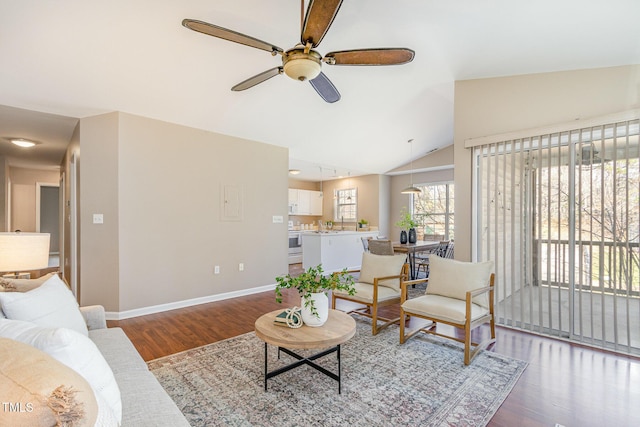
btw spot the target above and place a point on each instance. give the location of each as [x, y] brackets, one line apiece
[381, 56]
[258, 78]
[325, 88]
[320, 15]
[232, 36]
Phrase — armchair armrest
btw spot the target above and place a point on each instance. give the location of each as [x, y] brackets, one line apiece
[404, 287]
[94, 316]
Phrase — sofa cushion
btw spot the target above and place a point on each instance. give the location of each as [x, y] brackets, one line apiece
[117, 350]
[145, 403]
[38, 390]
[72, 349]
[51, 305]
[381, 266]
[451, 278]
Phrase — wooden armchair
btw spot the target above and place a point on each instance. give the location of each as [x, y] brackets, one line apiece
[379, 285]
[459, 294]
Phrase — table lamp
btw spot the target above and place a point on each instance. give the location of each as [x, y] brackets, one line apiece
[20, 252]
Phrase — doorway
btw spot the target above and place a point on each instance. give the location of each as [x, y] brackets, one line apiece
[48, 217]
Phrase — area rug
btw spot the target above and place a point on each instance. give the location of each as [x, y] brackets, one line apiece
[420, 383]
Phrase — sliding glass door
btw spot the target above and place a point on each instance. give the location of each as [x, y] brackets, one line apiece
[560, 216]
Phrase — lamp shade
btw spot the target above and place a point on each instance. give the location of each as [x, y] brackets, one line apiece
[23, 251]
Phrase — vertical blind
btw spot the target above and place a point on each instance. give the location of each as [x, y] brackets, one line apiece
[559, 214]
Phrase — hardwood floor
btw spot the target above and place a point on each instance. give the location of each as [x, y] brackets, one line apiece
[564, 383]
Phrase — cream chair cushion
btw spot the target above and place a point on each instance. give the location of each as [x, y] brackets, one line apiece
[364, 293]
[451, 278]
[381, 266]
[443, 308]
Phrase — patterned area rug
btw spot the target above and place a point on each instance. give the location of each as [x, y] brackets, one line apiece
[421, 383]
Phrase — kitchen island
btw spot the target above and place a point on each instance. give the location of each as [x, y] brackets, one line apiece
[335, 250]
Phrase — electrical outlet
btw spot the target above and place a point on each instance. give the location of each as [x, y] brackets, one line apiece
[98, 218]
[241, 266]
[278, 219]
[216, 269]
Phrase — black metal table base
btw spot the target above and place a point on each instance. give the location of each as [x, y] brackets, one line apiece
[303, 361]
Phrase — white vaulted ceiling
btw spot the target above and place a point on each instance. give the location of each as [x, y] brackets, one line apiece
[78, 58]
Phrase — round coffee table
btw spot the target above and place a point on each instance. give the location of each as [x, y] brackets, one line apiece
[339, 328]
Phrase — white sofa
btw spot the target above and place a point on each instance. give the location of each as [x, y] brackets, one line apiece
[142, 400]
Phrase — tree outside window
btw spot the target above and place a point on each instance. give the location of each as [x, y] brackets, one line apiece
[433, 210]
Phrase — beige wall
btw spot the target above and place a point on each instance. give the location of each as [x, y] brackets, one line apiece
[493, 106]
[4, 194]
[159, 188]
[369, 198]
[23, 195]
[99, 244]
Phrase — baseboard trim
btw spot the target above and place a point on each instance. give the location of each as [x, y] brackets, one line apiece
[121, 315]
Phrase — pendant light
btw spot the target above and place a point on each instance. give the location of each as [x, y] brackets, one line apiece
[411, 189]
[321, 191]
[349, 186]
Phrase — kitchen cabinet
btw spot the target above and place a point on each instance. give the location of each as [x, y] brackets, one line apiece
[335, 250]
[305, 202]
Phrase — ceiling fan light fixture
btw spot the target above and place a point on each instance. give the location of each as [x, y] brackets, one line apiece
[300, 65]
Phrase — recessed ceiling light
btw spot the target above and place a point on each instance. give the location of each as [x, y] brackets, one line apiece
[24, 143]
[294, 171]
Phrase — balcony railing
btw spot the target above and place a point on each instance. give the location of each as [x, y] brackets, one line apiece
[608, 267]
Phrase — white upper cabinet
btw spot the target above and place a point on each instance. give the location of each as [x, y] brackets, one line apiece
[305, 202]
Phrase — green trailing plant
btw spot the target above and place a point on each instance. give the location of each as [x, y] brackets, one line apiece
[406, 222]
[313, 281]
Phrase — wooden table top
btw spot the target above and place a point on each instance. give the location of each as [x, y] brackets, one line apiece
[339, 328]
[420, 245]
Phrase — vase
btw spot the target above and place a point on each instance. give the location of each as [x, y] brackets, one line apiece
[321, 302]
[413, 238]
[403, 237]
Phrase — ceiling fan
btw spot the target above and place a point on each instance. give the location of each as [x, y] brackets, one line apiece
[303, 62]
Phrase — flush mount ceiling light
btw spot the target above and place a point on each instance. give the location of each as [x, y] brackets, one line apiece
[411, 189]
[21, 142]
[294, 171]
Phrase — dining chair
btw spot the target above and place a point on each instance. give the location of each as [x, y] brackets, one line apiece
[423, 261]
[381, 247]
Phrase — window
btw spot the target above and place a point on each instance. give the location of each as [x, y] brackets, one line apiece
[346, 203]
[433, 210]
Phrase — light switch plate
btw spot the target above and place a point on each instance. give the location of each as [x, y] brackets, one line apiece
[98, 218]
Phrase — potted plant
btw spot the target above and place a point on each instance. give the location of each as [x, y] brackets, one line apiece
[407, 223]
[313, 285]
[363, 223]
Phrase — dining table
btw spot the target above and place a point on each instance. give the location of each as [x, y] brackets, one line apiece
[411, 249]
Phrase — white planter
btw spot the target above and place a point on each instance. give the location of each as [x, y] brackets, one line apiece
[321, 303]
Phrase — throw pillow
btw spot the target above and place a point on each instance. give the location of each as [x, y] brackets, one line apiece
[51, 304]
[72, 349]
[26, 285]
[451, 278]
[381, 266]
[37, 390]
